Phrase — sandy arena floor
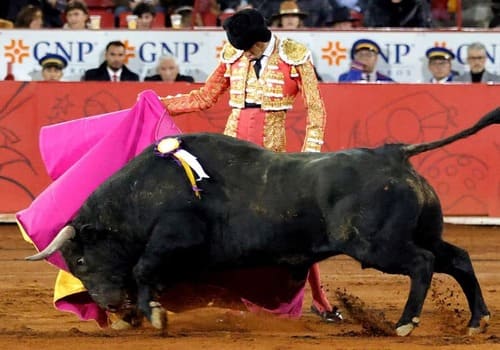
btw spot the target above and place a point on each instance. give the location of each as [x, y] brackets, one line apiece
[375, 300]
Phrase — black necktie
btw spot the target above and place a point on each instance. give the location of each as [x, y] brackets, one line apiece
[257, 65]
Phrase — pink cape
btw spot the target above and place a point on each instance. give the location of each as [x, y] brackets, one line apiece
[81, 154]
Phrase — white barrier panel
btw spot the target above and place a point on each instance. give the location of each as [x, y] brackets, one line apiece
[402, 56]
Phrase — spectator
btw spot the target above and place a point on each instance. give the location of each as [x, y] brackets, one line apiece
[77, 15]
[476, 59]
[476, 13]
[52, 12]
[122, 6]
[113, 68]
[318, 12]
[145, 15]
[29, 17]
[207, 12]
[350, 4]
[443, 15]
[364, 57]
[168, 71]
[289, 16]
[11, 8]
[440, 64]
[186, 13]
[52, 67]
[397, 13]
[341, 18]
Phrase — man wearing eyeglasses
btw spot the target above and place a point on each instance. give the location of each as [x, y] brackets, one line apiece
[439, 65]
[476, 59]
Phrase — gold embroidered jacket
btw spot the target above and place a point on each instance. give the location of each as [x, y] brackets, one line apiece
[288, 71]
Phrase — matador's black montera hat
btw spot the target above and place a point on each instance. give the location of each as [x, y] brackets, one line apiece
[245, 28]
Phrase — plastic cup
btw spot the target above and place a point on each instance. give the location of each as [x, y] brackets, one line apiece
[132, 22]
[95, 22]
[176, 21]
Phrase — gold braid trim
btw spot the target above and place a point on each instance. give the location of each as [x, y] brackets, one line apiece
[229, 54]
[316, 116]
[232, 123]
[274, 131]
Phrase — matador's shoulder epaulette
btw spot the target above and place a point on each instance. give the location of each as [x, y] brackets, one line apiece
[230, 54]
[293, 52]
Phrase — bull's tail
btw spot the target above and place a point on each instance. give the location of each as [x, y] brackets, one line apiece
[492, 117]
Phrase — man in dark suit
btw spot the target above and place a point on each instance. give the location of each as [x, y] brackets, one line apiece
[113, 68]
[168, 71]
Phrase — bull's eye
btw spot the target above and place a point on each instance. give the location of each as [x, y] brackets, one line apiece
[80, 261]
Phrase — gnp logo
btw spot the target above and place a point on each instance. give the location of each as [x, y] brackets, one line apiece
[150, 51]
[16, 51]
[76, 51]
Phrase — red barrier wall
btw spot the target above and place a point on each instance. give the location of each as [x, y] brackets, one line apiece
[465, 174]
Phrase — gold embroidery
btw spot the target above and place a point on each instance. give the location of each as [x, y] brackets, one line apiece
[293, 53]
[230, 54]
[239, 76]
[232, 123]
[274, 131]
[315, 109]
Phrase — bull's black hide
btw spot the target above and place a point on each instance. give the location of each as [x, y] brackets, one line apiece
[144, 229]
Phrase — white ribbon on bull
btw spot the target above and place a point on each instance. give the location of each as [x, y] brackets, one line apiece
[170, 146]
[193, 163]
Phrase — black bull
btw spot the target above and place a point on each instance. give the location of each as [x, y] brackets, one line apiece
[144, 229]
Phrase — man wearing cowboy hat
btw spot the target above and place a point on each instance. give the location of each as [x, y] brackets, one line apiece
[289, 16]
[263, 74]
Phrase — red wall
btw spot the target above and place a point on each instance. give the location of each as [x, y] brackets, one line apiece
[465, 174]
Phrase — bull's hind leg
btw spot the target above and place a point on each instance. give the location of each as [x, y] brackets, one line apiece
[404, 259]
[456, 262]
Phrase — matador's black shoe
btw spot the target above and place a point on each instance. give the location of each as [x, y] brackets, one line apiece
[328, 316]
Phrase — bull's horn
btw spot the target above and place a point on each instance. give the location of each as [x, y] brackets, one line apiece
[66, 233]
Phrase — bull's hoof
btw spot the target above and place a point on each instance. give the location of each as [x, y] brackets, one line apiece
[125, 320]
[120, 325]
[158, 315]
[405, 329]
[483, 326]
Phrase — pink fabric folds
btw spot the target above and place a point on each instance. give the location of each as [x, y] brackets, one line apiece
[79, 155]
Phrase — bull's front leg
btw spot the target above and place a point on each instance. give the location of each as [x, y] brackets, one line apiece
[147, 301]
[171, 252]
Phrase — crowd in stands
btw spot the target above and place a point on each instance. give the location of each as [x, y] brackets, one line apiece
[320, 13]
[285, 14]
